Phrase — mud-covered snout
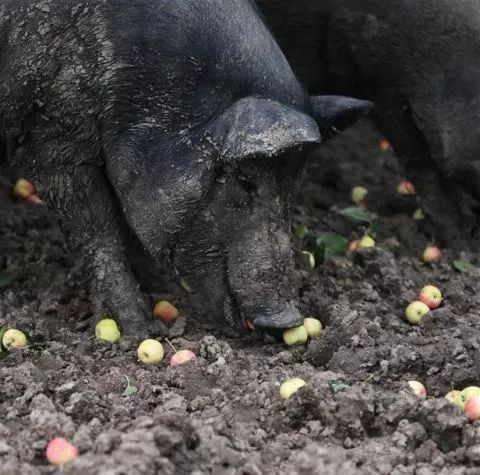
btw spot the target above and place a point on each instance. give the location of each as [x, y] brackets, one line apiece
[286, 317]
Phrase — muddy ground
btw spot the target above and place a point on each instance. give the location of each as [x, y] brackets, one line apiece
[223, 414]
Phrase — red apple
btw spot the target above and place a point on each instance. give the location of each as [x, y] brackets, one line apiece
[406, 187]
[181, 357]
[431, 254]
[385, 145]
[472, 408]
[60, 451]
[165, 311]
[430, 296]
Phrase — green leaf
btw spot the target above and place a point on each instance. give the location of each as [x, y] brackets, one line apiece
[335, 244]
[464, 266]
[129, 390]
[339, 387]
[5, 280]
[320, 252]
[301, 231]
[356, 215]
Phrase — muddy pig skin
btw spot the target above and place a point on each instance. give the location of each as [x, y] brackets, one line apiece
[178, 120]
[419, 61]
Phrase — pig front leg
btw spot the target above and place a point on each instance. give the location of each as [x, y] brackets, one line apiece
[88, 212]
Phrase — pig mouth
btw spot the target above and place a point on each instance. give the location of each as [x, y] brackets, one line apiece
[260, 317]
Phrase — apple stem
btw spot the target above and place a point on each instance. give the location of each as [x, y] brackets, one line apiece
[173, 348]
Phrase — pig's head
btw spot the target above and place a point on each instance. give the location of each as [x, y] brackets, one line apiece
[235, 250]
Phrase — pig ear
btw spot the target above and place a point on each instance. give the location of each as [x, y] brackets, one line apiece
[335, 113]
[261, 127]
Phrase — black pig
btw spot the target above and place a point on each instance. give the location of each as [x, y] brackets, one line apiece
[419, 62]
[179, 119]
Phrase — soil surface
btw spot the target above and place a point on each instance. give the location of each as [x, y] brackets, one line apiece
[223, 414]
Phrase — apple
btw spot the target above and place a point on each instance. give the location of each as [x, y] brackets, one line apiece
[472, 408]
[107, 330]
[431, 254]
[295, 336]
[181, 357]
[418, 388]
[23, 189]
[415, 312]
[430, 296]
[406, 187]
[150, 351]
[468, 393]
[353, 246]
[456, 398]
[290, 387]
[419, 215]
[313, 326]
[60, 451]
[366, 242]
[13, 338]
[165, 311]
[34, 199]
[359, 193]
[385, 145]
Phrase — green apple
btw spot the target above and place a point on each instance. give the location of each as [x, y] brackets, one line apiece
[359, 193]
[416, 311]
[150, 351]
[290, 387]
[295, 336]
[107, 330]
[23, 188]
[13, 338]
[313, 326]
[419, 215]
[431, 297]
[366, 242]
[456, 398]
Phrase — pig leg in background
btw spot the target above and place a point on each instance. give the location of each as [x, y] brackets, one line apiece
[88, 212]
[450, 210]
